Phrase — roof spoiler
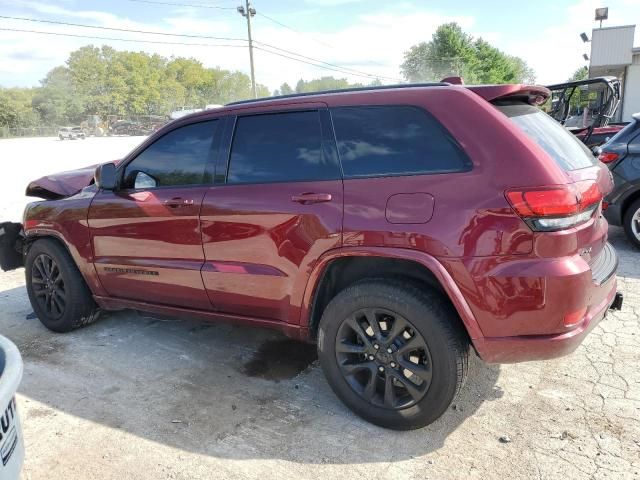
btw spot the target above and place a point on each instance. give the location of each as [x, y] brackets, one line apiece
[532, 94]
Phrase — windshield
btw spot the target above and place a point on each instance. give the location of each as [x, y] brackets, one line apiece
[567, 151]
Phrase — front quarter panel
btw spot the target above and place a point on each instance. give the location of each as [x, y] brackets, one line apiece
[66, 220]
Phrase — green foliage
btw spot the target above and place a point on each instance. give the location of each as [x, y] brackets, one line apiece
[581, 73]
[103, 81]
[322, 84]
[15, 107]
[451, 51]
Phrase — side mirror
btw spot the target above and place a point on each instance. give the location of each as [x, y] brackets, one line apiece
[105, 176]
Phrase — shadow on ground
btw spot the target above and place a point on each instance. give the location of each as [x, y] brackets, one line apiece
[628, 254]
[212, 389]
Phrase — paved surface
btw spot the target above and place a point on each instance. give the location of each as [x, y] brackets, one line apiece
[139, 398]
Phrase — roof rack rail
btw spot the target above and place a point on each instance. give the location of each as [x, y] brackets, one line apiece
[340, 90]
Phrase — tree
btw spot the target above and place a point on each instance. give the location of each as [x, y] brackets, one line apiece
[56, 102]
[581, 73]
[16, 109]
[451, 51]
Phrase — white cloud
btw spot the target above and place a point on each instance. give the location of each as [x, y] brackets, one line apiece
[556, 52]
[373, 42]
[331, 3]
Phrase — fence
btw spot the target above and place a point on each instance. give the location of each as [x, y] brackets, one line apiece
[10, 132]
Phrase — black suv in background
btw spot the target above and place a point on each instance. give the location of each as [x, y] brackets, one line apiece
[622, 155]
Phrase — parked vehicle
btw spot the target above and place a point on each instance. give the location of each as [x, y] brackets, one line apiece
[586, 108]
[71, 133]
[622, 155]
[183, 112]
[371, 221]
[11, 440]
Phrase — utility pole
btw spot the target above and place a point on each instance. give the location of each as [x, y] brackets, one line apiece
[248, 11]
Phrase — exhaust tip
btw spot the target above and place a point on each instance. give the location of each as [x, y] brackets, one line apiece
[617, 301]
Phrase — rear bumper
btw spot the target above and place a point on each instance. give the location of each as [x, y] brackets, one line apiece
[543, 347]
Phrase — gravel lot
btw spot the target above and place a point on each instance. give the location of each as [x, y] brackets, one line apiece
[138, 397]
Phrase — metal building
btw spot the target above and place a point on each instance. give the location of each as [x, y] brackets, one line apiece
[613, 53]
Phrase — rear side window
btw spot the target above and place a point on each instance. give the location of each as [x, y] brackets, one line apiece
[391, 140]
[279, 147]
[178, 158]
[567, 151]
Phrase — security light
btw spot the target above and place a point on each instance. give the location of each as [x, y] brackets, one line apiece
[585, 56]
[602, 13]
[584, 37]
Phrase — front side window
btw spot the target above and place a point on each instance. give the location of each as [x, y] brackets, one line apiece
[279, 147]
[391, 140]
[179, 158]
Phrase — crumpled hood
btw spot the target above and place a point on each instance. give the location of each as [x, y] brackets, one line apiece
[63, 184]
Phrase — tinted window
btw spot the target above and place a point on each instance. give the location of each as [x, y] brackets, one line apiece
[627, 133]
[561, 145]
[394, 140]
[280, 147]
[178, 158]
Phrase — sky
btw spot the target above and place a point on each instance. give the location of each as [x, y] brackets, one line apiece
[367, 37]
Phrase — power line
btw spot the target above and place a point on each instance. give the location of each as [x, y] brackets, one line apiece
[147, 32]
[153, 2]
[286, 53]
[347, 70]
[369, 76]
[165, 43]
[119, 39]
[294, 30]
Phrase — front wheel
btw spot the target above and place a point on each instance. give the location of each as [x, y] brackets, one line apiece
[393, 353]
[631, 223]
[57, 292]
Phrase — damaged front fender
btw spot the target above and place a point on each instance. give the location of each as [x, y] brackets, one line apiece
[63, 184]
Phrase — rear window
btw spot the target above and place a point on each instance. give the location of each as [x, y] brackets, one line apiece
[567, 151]
[391, 140]
[626, 133]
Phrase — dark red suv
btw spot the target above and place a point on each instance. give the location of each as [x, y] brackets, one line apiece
[396, 227]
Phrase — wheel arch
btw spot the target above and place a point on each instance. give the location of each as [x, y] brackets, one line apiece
[631, 197]
[86, 270]
[340, 268]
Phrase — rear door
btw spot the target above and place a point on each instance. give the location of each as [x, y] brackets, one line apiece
[277, 209]
[146, 235]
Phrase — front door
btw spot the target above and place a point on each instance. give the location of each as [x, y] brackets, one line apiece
[146, 234]
[279, 210]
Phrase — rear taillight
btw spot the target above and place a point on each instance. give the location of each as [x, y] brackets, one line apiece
[558, 207]
[608, 157]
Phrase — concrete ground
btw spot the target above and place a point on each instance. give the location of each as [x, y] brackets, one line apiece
[138, 397]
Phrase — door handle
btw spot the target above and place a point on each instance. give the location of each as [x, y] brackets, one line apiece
[310, 198]
[178, 202]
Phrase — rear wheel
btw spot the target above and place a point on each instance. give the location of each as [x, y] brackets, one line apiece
[631, 223]
[57, 292]
[393, 353]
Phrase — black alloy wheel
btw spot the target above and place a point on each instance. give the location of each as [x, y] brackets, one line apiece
[383, 358]
[48, 286]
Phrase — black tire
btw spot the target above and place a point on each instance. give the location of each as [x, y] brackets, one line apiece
[628, 223]
[72, 305]
[431, 320]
